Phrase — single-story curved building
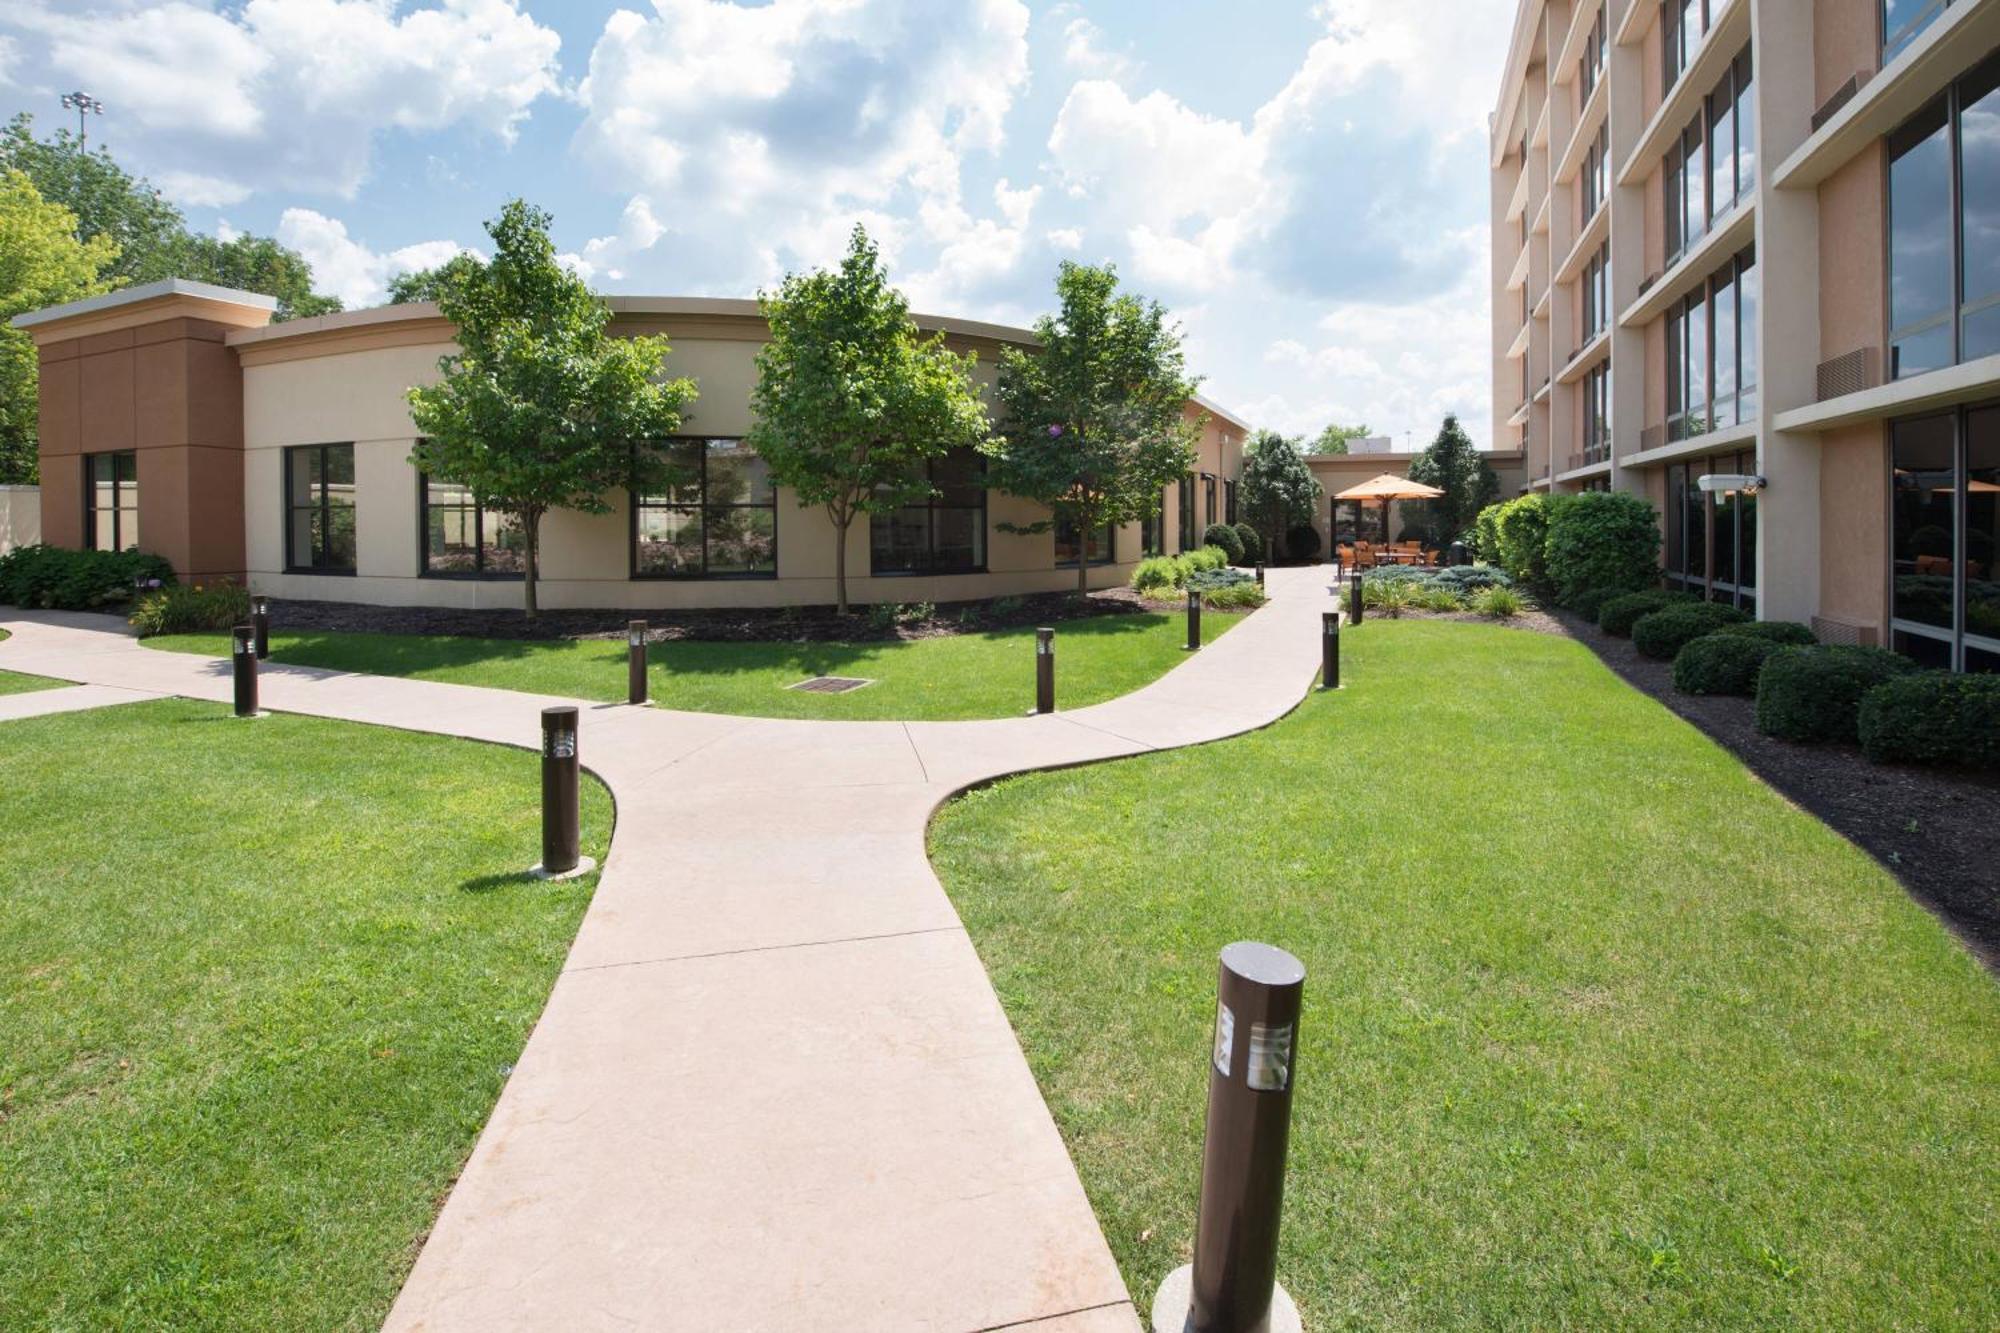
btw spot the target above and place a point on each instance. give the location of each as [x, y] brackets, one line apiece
[176, 417]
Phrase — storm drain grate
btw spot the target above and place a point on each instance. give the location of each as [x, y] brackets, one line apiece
[830, 684]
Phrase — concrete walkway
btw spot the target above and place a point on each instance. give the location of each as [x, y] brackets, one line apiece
[773, 1088]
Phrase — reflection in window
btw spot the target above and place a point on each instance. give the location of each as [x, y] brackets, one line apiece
[1903, 21]
[1944, 221]
[1944, 523]
[319, 508]
[1712, 353]
[705, 508]
[1186, 511]
[1098, 549]
[944, 535]
[462, 539]
[1712, 539]
[111, 501]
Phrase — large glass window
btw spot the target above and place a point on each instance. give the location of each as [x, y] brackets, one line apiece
[1229, 502]
[1682, 23]
[1712, 539]
[1098, 549]
[1713, 163]
[1746, 125]
[706, 508]
[1712, 353]
[1597, 414]
[1904, 20]
[944, 535]
[1944, 521]
[1591, 67]
[1596, 175]
[463, 539]
[319, 509]
[1944, 223]
[1186, 513]
[1209, 513]
[1597, 293]
[1979, 212]
[111, 501]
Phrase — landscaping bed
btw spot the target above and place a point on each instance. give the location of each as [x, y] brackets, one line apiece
[1936, 830]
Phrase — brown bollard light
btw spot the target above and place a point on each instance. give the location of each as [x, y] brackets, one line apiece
[243, 669]
[1329, 635]
[1194, 621]
[635, 662]
[260, 620]
[559, 765]
[1045, 670]
[1354, 598]
[1232, 1286]
[1260, 573]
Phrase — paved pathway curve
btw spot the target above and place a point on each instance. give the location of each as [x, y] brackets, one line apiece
[773, 1088]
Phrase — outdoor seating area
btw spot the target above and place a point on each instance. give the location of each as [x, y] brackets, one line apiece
[1369, 555]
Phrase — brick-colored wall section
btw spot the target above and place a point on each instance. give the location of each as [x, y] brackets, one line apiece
[1853, 296]
[1854, 530]
[1846, 39]
[172, 392]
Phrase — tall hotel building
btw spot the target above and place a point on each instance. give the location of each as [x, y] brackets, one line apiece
[1761, 238]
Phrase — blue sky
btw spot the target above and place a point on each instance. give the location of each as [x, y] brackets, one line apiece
[1304, 184]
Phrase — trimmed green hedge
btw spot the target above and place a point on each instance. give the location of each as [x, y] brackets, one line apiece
[1253, 543]
[42, 577]
[1814, 694]
[1933, 717]
[1223, 537]
[1591, 601]
[1617, 615]
[1602, 539]
[1788, 633]
[1663, 633]
[1721, 664]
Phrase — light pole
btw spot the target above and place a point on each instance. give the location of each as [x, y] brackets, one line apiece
[84, 105]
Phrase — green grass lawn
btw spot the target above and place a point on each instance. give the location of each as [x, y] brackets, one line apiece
[959, 676]
[260, 984]
[1600, 1032]
[15, 682]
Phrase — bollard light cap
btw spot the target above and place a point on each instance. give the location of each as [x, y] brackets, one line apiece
[1265, 964]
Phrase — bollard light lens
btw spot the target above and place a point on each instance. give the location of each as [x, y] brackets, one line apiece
[561, 744]
[1270, 1057]
[635, 638]
[1225, 1037]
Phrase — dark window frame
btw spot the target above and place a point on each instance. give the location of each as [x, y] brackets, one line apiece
[324, 504]
[1110, 556]
[1188, 535]
[1958, 641]
[1730, 273]
[931, 508]
[478, 572]
[119, 485]
[1685, 498]
[635, 503]
[1893, 44]
[1229, 502]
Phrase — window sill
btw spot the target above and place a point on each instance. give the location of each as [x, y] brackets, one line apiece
[927, 573]
[325, 572]
[471, 578]
[700, 578]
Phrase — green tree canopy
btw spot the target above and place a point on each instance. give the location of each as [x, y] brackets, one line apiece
[151, 235]
[1334, 439]
[424, 284]
[1094, 423]
[1454, 466]
[851, 400]
[42, 263]
[541, 408]
[1279, 490]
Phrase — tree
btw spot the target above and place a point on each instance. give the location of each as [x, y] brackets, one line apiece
[1094, 424]
[1277, 488]
[42, 263]
[541, 408]
[1333, 440]
[1451, 464]
[851, 401]
[150, 234]
[424, 284]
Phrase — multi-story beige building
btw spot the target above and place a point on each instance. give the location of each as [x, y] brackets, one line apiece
[1761, 239]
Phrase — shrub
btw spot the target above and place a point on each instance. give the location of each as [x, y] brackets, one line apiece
[1392, 595]
[1436, 597]
[1497, 600]
[1602, 539]
[1721, 664]
[1785, 633]
[1522, 530]
[1470, 578]
[190, 608]
[1662, 634]
[1253, 543]
[56, 578]
[1224, 538]
[1245, 596]
[1933, 717]
[1588, 603]
[1618, 615]
[1814, 694]
[1302, 541]
[1206, 557]
[1486, 533]
[1159, 573]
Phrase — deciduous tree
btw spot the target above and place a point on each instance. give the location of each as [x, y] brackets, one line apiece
[541, 408]
[851, 400]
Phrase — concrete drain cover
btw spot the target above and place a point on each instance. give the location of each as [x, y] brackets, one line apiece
[830, 684]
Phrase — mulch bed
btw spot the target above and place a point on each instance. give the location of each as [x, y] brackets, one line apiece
[1936, 831]
[792, 624]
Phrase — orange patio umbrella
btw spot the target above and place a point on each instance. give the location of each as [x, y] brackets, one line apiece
[1386, 489]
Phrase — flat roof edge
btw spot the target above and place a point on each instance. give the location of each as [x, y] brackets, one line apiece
[146, 291]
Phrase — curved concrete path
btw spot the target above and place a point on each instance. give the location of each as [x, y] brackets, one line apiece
[772, 1088]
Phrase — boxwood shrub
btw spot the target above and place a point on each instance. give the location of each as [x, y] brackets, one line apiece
[1617, 615]
[1253, 543]
[1721, 664]
[1789, 633]
[1590, 601]
[1223, 537]
[1933, 717]
[1662, 634]
[56, 578]
[1602, 539]
[1302, 541]
[1814, 694]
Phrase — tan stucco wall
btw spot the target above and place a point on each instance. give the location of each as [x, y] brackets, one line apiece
[1852, 274]
[1854, 533]
[357, 396]
[20, 516]
[1846, 37]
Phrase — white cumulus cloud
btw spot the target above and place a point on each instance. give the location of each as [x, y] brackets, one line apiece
[344, 267]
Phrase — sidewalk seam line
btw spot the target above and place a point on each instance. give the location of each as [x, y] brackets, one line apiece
[1060, 1314]
[922, 767]
[764, 948]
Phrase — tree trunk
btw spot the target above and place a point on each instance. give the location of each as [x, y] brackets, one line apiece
[840, 526]
[531, 525]
[1083, 562]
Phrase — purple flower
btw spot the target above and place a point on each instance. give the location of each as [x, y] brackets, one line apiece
[1054, 431]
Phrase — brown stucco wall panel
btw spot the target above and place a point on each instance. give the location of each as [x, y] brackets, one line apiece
[62, 500]
[1853, 295]
[1854, 506]
[214, 504]
[214, 388]
[160, 395]
[1846, 39]
[107, 402]
[61, 404]
[164, 521]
